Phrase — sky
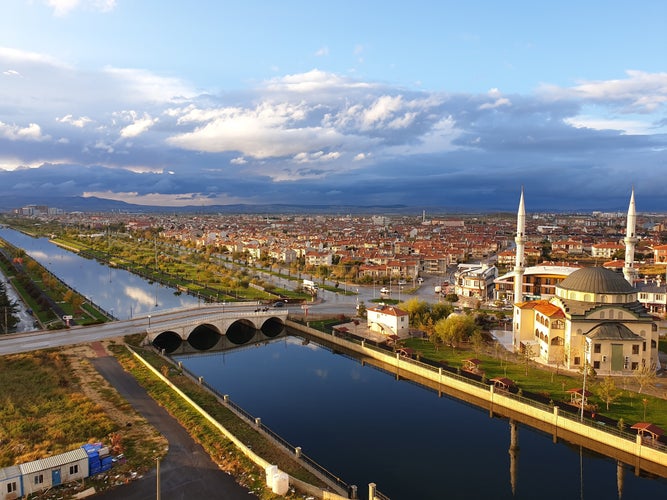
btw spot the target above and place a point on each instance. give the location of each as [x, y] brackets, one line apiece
[423, 103]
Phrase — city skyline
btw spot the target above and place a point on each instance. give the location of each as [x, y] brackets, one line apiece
[427, 105]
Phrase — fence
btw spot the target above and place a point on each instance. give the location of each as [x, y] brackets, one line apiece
[549, 414]
[256, 422]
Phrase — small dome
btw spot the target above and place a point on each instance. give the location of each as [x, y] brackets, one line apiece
[596, 280]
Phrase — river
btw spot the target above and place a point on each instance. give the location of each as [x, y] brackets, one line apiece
[361, 423]
[120, 292]
[365, 426]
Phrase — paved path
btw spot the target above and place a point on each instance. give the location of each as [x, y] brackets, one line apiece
[187, 471]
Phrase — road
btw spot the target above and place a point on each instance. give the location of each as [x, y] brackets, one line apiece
[186, 471]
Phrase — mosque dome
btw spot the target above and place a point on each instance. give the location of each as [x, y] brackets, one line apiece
[596, 280]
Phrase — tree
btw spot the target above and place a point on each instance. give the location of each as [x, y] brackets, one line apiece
[645, 376]
[455, 329]
[607, 391]
[528, 354]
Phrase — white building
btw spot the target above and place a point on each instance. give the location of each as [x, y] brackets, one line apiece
[388, 320]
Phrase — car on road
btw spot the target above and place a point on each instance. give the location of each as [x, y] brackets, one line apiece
[402, 283]
[279, 304]
[420, 280]
[384, 290]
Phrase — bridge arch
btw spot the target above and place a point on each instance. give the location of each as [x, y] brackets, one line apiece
[241, 331]
[272, 326]
[204, 336]
[168, 340]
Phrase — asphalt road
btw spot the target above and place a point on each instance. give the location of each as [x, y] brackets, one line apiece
[186, 471]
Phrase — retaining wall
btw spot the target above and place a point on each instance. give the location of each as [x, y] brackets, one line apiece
[300, 485]
[495, 398]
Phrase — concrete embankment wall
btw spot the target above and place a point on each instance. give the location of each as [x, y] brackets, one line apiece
[300, 485]
[495, 399]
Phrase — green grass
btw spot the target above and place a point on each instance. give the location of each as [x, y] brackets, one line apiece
[630, 406]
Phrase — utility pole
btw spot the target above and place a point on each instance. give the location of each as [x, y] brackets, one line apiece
[157, 473]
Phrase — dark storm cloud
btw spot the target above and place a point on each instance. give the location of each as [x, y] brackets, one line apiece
[317, 137]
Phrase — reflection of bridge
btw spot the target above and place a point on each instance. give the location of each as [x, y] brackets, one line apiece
[203, 328]
[225, 344]
[200, 326]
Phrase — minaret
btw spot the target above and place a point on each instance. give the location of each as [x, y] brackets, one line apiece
[520, 245]
[630, 241]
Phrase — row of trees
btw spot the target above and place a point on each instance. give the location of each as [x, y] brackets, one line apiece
[8, 309]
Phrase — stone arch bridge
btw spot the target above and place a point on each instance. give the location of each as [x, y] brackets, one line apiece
[204, 327]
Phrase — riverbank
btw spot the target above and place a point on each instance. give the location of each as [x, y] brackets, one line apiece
[229, 440]
[649, 455]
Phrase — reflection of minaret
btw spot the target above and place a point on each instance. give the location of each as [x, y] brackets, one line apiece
[619, 479]
[514, 454]
[630, 241]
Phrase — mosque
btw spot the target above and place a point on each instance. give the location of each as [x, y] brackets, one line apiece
[593, 318]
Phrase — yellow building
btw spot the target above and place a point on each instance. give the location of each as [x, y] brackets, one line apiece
[594, 317]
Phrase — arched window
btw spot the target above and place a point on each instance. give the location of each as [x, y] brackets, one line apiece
[601, 314]
[611, 314]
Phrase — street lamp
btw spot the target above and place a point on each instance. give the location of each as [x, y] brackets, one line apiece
[149, 321]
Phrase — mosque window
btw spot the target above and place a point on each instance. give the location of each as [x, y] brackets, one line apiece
[597, 348]
[577, 360]
[601, 314]
[620, 315]
[635, 365]
[635, 349]
[653, 344]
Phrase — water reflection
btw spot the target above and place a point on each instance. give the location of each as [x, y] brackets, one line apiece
[361, 423]
[120, 292]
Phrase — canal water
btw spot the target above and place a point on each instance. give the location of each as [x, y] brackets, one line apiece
[359, 422]
[117, 291]
[365, 426]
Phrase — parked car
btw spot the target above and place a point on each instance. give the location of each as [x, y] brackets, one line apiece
[384, 290]
[420, 280]
[279, 304]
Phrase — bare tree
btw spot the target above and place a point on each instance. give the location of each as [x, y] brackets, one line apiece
[645, 376]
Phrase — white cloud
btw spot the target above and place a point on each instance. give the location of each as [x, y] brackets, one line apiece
[323, 51]
[318, 156]
[138, 126]
[639, 92]
[32, 132]
[77, 122]
[149, 87]
[161, 199]
[11, 72]
[62, 8]
[268, 130]
[629, 127]
[12, 55]
[313, 81]
[13, 163]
